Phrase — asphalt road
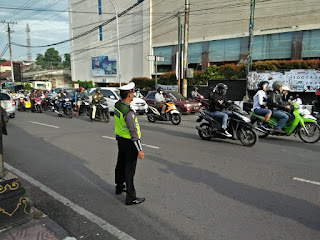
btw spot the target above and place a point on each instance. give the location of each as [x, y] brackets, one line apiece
[194, 189]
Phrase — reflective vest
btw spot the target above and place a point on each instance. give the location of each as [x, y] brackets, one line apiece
[120, 111]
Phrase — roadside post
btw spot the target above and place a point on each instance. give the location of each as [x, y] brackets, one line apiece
[156, 59]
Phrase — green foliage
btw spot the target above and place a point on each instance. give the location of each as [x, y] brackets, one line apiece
[52, 60]
[27, 86]
[168, 78]
[144, 83]
[84, 84]
[286, 64]
[66, 62]
[2, 60]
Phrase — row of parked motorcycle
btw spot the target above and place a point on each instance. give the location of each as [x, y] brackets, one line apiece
[67, 107]
[247, 127]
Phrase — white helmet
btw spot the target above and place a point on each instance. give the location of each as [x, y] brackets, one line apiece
[285, 88]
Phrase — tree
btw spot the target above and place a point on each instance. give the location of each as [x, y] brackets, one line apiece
[2, 60]
[66, 62]
[50, 59]
[27, 86]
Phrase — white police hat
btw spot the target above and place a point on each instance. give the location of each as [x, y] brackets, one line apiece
[129, 87]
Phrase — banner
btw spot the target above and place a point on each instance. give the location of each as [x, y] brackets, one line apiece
[104, 66]
[298, 80]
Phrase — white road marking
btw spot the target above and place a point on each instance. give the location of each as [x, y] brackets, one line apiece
[95, 219]
[150, 146]
[112, 138]
[45, 124]
[306, 181]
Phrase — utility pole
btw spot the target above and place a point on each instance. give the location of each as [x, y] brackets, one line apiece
[12, 76]
[118, 40]
[251, 36]
[9, 39]
[179, 51]
[186, 42]
[29, 55]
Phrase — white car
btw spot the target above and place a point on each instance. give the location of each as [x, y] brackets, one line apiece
[8, 104]
[112, 95]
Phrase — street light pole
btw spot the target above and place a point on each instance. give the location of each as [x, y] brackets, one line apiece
[118, 38]
[186, 42]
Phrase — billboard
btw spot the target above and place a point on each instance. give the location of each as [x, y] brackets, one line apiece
[299, 80]
[104, 66]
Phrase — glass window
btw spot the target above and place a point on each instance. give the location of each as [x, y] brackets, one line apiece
[272, 46]
[99, 7]
[100, 33]
[151, 95]
[175, 96]
[195, 53]
[224, 50]
[165, 52]
[4, 96]
[310, 44]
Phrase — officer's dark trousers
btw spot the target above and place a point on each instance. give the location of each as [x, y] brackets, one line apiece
[126, 166]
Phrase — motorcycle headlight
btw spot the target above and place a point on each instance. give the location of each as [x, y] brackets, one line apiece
[67, 99]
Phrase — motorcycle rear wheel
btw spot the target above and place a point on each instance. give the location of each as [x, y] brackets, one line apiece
[105, 116]
[203, 135]
[247, 137]
[175, 119]
[314, 133]
[151, 118]
[39, 109]
[69, 112]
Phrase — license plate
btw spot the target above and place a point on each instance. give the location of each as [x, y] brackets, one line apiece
[196, 108]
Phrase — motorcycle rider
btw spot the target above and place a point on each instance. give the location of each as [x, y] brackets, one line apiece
[159, 101]
[260, 101]
[285, 94]
[218, 103]
[278, 107]
[61, 96]
[32, 96]
[20, 95]
[95, 101]
[138, 94]
[80, 96]
[195, 94]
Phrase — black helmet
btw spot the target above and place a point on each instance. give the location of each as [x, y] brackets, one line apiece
[98, 89]
[159, 89]
[277, 85]
[262, 84]
[221, 89]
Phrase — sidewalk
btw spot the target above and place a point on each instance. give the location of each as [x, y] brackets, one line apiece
[41, 227]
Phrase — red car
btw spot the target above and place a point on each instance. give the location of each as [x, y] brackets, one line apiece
[183, 105]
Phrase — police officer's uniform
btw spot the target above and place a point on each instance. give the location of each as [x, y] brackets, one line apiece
[128, 134]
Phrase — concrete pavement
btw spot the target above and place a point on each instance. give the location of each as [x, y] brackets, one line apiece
[194, 189]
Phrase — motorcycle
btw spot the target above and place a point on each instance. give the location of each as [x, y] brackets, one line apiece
[172, 114]
[24, 103]
[302, 124]
[84, 107]
[239, 127]
[102, 111]
[52, 104]
[45, 103]
[66, 108]
[37, 107]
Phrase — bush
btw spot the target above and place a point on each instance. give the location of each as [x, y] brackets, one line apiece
[144, 83]
[27, 86]
[168, 78]
[84, 84]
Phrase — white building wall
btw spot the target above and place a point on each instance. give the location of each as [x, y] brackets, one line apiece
[132, 42]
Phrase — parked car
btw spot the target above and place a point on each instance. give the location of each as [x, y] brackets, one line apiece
[112, 94]
[8, 104]
[183, 105]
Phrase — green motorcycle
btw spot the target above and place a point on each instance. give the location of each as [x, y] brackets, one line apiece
[307, 128]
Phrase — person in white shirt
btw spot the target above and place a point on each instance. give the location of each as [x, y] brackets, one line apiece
[260, 101]
[160, 100]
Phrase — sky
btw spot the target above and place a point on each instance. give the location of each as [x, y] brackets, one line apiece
[46, 27]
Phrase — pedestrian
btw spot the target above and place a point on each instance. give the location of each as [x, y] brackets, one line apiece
[128, 135]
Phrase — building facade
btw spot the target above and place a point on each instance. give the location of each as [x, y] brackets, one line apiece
[218, 35]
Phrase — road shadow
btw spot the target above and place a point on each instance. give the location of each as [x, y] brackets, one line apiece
[68, 175]
[280, 204]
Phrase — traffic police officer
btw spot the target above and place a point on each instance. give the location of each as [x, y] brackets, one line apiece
[128, 135]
